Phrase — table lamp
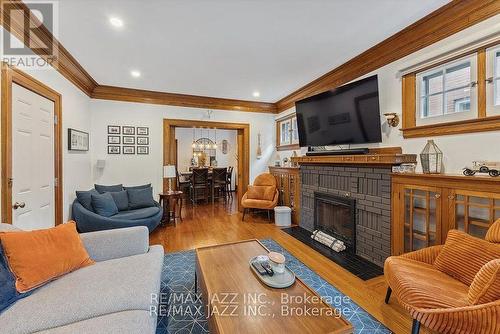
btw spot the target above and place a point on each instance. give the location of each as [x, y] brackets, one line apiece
[169, 172]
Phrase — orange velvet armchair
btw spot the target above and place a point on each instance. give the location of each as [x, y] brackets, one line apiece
[450, 288]
[262, 195]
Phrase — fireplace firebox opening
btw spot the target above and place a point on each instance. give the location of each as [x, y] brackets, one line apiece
[336, 216]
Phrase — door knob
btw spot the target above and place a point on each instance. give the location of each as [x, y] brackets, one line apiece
[18, 205]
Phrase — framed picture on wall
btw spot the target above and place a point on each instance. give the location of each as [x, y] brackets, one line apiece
[113, 149]
[142, 131]
[128, 149]
[142, 149]
[128, 130]
[128, 140]
[142, 140]
[114, 140]
[78, 140]
[114, 130]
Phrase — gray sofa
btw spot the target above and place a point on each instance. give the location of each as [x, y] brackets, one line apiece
[112, 296]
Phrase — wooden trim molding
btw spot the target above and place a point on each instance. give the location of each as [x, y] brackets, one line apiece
[10, 76]
[481, 83]
[243, 137]
[444, 22]
[287, 147]
[491, 123]
[409, 100]
[479, 124]
[182, 100]
[64, 62]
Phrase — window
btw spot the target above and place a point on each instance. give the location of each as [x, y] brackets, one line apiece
[493, 81]
[287, 133]
[446, 93]
[458, 95]
[295, 131]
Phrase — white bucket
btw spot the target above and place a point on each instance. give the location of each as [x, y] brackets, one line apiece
[282, 216]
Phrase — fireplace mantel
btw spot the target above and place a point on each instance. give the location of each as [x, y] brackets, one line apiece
[386, 156]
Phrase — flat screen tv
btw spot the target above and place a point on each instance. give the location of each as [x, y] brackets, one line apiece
[349, 114]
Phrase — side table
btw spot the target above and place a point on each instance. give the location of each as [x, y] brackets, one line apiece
[170, 202]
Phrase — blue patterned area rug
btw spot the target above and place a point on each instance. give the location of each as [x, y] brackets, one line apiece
[181, 311]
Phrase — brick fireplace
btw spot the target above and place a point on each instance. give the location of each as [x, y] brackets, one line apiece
[369, 191]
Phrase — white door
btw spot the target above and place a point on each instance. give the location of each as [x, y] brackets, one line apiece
[33, 203]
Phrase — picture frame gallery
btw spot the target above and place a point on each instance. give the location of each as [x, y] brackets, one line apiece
[122, 139]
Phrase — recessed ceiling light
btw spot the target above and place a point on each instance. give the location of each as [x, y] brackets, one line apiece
[135, 73]
[256, 94]
[116, 22]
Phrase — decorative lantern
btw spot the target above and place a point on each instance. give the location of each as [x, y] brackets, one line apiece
[431, 158]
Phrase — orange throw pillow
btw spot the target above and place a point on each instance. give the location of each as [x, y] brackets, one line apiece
[463, 255]
[37, 257]
[486, 285]
[265, 193]
[493, 234]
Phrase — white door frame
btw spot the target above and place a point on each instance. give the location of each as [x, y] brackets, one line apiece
[9, 76]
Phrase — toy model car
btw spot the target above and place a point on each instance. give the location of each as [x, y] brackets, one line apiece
[490, 168]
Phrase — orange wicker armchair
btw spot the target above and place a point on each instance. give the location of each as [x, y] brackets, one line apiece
[450, 288]
[262, 195]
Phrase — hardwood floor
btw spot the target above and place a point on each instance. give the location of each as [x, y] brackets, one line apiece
[206, 225]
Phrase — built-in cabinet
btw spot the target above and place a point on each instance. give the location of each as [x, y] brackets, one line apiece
[288, 181]
[422, 207]
[426, 207]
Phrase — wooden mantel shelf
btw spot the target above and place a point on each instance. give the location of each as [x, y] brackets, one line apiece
[375, 156]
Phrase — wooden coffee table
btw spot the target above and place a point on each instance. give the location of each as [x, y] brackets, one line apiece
[237, 302]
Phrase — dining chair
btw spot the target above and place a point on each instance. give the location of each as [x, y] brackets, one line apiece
[219, 183]
[184, 186]
[200, 184]
[229, 178]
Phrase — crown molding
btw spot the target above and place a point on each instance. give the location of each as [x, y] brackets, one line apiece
[182, 100]
[64, 62]
[443, 22]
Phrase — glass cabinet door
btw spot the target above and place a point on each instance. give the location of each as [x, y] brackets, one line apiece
[474, 212]
[422, 217]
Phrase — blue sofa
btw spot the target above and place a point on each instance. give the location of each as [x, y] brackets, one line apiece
[89, 221]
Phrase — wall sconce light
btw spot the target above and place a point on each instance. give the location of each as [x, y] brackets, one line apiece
[392, 119]
[100, 163]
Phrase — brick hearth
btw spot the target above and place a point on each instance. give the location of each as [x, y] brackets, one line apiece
[371, 187]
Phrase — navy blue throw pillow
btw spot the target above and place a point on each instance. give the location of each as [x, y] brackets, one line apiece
[144, 186]
[104, 205]
[85, 198]
[8, 292]
[140, 198]
[108, 189]
[121, 200]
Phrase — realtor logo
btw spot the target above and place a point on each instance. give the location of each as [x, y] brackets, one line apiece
[33, 27]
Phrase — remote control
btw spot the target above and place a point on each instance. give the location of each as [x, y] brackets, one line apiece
[267, 268]
[259, 268]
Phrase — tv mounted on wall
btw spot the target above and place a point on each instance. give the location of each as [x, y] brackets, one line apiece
[349, 114]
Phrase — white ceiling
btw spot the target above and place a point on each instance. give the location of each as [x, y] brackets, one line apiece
[227, 48]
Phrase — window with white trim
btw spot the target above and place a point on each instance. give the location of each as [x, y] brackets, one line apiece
[287, 133]
[493, 81]
[447, 93]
